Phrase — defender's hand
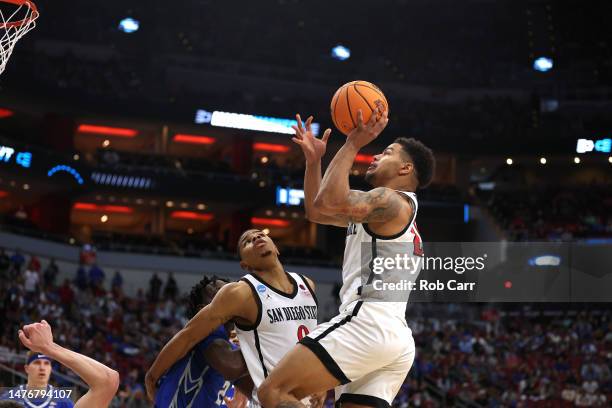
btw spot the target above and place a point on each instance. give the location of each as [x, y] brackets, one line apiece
[313, 148]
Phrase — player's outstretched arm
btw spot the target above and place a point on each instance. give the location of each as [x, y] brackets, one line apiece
[335, 198]
[314, 150]
[103, 381]
[226, 305]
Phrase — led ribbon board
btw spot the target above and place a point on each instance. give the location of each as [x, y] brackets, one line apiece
[119, 180]
[587, 145]
[289, 196]
[67, 169]
[249, 122]
[24, 159]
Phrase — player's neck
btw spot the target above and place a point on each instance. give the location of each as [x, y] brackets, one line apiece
[273, 271]
[393, 185]
[36, 385]
[275, 275]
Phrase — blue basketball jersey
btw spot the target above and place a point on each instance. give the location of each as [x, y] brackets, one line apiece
[192, 383]
[53, 397]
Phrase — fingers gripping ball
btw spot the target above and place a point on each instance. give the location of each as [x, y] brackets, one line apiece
[351, 97]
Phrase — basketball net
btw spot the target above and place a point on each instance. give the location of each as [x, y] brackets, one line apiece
[14, 24]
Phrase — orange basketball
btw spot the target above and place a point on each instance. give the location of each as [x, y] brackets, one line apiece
[351, 97]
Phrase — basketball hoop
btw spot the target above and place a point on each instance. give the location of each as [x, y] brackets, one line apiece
[17, 17]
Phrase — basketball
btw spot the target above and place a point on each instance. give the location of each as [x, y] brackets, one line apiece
[351, 97]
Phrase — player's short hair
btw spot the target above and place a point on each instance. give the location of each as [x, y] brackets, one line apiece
[195, 299]
[10, 404]
[423, 158]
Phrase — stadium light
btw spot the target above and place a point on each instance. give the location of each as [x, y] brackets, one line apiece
[610, 159]
[273, 222]
[193, 139]
[271, 147]
[5, 113]
[364, 158]
[191, 215]
[121, 209]
[106, 130]
[577, 160]
[542, 160]
[509, 161]
[129, 25]
[543, 64]
[341, 53]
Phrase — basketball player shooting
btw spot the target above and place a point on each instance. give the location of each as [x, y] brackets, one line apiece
[102, 381]
[367, 350]
[272, 310]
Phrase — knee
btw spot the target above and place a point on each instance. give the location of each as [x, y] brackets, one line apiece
[268, 394]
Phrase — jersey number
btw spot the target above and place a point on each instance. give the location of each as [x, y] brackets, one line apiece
[302, 332]
[221, 394]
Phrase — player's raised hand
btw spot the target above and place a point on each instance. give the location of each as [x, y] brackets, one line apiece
[313, 148]
[238, 401]
[37, 336]
[365, 133]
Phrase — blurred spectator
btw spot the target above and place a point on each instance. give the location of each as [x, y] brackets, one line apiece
[31, 282]
[171, 289]
[154, 287]
[17, 259]
[34, 263]
[50, 273]
[5, 262]
[81, 277]
[117, 283]
[66, 295]
[96, 276]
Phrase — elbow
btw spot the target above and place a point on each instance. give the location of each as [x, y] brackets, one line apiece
[325, 206]
[108, 384]
[312, 215]
[321, 203]
[113, 381]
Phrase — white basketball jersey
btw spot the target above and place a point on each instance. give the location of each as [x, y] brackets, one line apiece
[282, 320]
[355, 262]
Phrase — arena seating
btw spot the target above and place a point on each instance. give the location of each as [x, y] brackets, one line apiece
[549, 355]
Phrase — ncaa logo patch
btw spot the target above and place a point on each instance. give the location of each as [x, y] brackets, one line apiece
[261, 288]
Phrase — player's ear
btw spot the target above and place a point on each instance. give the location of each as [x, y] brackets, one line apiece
[276, 250]
[244, 266]
[406, 169]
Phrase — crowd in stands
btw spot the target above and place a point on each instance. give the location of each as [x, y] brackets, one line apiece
[523, 358]
[90, 314]
[467, 355]
[554, 213]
